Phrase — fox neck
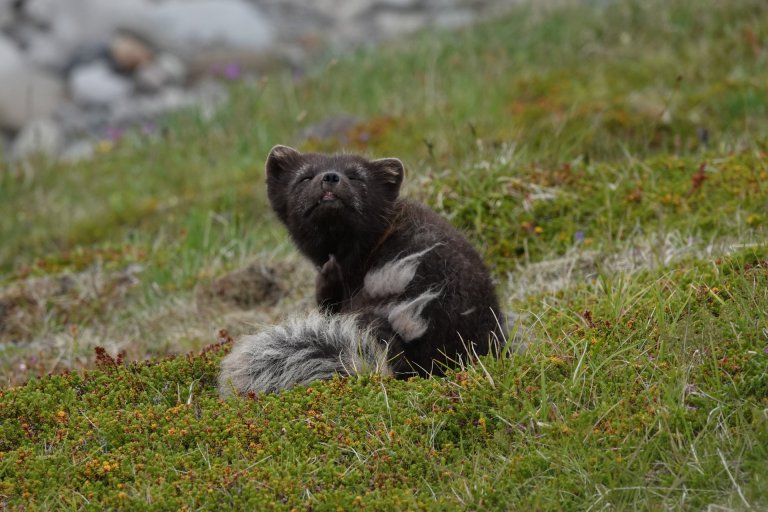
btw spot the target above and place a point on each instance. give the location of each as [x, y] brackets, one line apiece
[351, 247]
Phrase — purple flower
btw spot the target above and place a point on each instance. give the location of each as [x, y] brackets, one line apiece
[113, 134]
[765, 350]
[149, 128]
[232, 71]
[578, 236]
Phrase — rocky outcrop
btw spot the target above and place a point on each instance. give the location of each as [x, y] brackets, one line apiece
[75, 70]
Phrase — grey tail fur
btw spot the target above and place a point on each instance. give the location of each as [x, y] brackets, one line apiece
[305, 348]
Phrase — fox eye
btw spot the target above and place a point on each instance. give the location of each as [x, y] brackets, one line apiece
[354, 174]
[302, 181]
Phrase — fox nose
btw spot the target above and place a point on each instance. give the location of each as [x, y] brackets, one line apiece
[331, 178]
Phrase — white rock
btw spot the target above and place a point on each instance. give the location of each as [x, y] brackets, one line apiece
[41, 137]
[9, 52]
[184, 27]
[165, 69]
[96, 84]
[207, 97]
[398, 23]
[77, 24]
[139, 108]
[78, 151]
[95, 17]
[27, 93]
[7, 16]
[453, 19]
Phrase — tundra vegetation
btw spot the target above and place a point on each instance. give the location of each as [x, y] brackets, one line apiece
[608, 159]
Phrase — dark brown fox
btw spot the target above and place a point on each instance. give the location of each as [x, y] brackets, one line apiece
[399, 290]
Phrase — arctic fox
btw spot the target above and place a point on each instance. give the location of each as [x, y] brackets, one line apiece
[399, 290]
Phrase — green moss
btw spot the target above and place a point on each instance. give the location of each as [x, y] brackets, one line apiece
[519, 208]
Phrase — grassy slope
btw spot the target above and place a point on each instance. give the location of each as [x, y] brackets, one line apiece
[654, 398]
[576, 132]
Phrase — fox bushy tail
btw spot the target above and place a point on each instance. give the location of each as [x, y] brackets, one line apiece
[305, 348]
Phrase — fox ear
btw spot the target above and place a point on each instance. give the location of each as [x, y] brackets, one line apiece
[280, 160]
[389, 172]
[281, 163]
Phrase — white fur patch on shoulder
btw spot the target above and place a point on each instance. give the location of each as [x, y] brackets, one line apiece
[393, 277]
[405, 318]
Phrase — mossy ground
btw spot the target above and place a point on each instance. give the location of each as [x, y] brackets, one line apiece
[609, 161]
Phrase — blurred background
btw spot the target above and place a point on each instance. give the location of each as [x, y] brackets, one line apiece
[77, 72]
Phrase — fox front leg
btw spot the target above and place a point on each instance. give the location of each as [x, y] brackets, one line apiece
[329, 286]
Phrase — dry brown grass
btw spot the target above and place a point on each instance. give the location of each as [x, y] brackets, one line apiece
[53, 323]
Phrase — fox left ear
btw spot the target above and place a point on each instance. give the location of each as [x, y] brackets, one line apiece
[281, 163]
[281, 158]
[389, 172]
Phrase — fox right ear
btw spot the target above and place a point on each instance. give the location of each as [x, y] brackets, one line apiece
[281, 159]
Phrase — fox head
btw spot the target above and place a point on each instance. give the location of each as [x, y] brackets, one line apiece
[324, 198]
